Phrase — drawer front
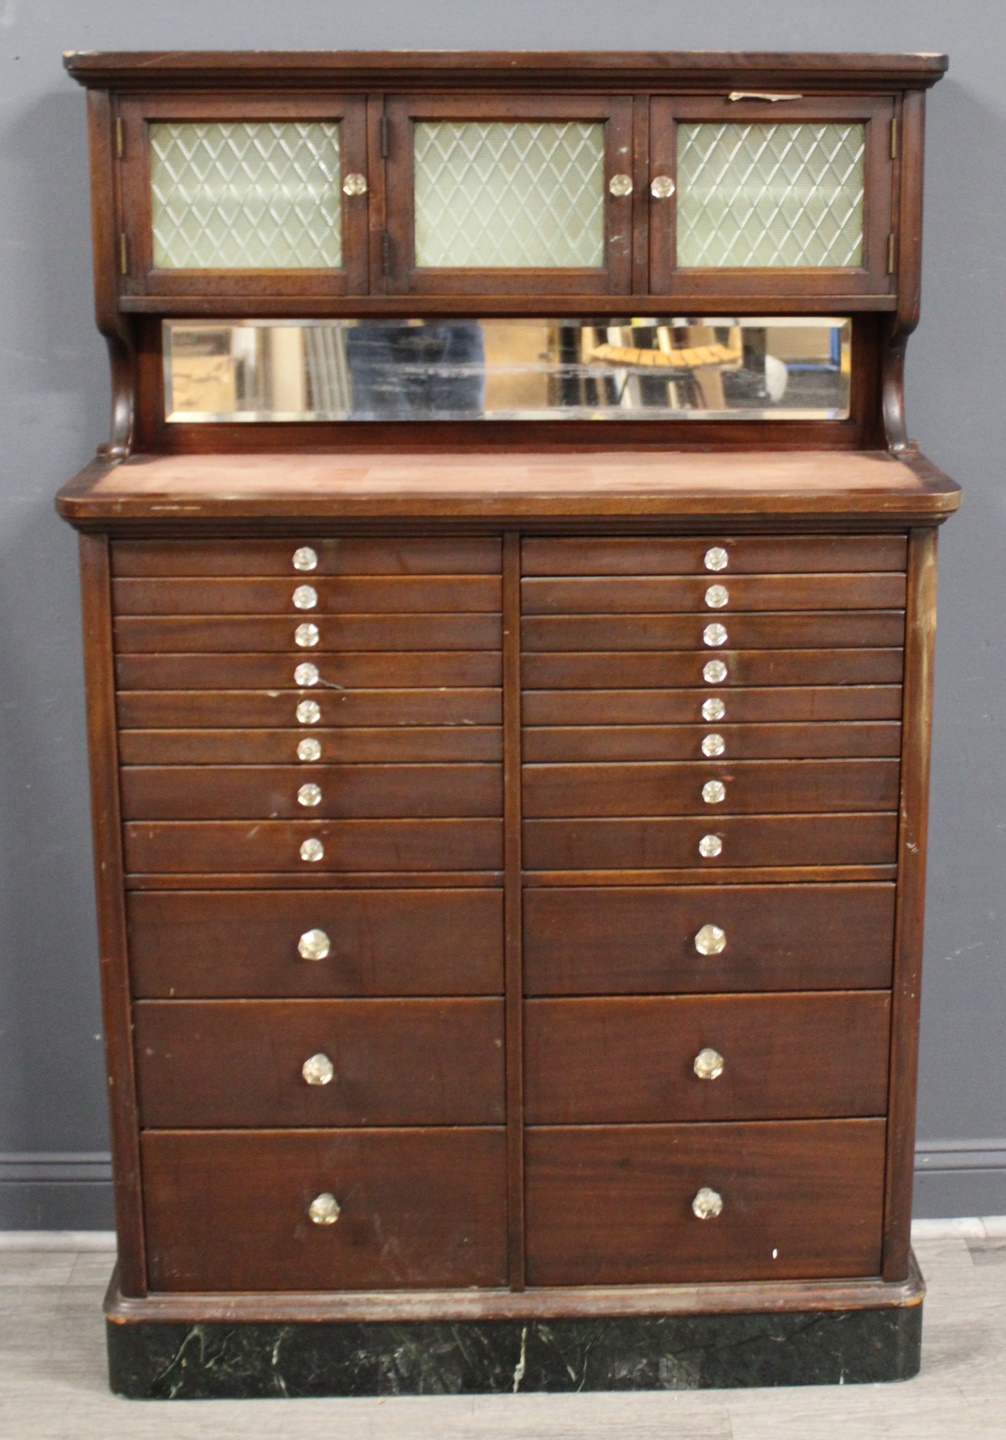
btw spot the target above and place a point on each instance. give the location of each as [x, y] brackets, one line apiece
[790, 704]
[408, 670]
[653, 669]
[623, 940]
[331, 556]
[366, 744]
[257, 709]
[774, 631]
[721, 595]
[204, 1064]
[418, 1208]
[613, 1205]
[711, 788]
[684, 742]
[646, 844]
[686, 555]
[205, 944]
[199, 634]
[653, 1060]
[308, 597]
[205, 847]
[209, 792]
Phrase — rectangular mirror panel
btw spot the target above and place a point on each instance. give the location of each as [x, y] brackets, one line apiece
[785, 368]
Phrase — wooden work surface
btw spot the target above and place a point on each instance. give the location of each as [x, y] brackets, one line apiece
[636, 484]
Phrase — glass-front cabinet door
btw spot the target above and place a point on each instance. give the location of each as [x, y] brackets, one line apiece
[244, 197]
[761, 196]
[516, 195]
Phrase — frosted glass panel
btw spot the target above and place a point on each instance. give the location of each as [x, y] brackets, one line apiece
[522, 194]
[246, 195]
[770, 195]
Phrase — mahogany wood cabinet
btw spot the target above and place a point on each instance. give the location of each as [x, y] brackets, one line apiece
[509, 719]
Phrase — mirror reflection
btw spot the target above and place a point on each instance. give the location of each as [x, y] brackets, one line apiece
[720, 368]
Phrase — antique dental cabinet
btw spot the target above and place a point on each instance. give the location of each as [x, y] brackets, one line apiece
[509, 594]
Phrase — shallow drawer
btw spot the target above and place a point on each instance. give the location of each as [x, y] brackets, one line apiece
[758, 787]
[282, 747]
[654, 1059]
[657, 844]
[418, 1208]
[205, 1064]
[138, 634]
[686, 555]
[613, 1205]
[203, 944]
[308, 595]
[211, 792]
[637, 939]
[631, 670]
[675, 707]
[684, 742]
[410, 670]
[775, 631]
[260, 709]
[333, 556]
[205, 847]
[721, 594]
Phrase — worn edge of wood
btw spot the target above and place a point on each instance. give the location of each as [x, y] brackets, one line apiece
[109, 890]
[920, 631]
[512, 905]
[755, 1297]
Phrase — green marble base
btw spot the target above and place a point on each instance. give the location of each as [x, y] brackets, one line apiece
[157, 1359]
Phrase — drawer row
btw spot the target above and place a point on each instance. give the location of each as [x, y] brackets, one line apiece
[608, 1205]
[594, 940]
[272, 1064]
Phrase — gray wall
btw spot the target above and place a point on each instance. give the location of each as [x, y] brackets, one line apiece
[53, 404]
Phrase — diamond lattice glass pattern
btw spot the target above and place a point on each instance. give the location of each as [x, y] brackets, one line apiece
[246, 195]
[770, 195]
[494, 194]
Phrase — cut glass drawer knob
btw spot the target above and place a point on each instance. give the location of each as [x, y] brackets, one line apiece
[314, 945]
[306, 674]
[711, 745]
[714, 792]
[706, 1205]
[713, 708]
[717, 596]
[710, 846]
[710, 940]
[661, 187]
[305, 558]
[708, 1064]
[716, 558]
[324, 1209]
[620, 185]
[309, 795]
[714, 672]
[318, 1070]
[354, 185]
[309, 749]
[312, 849]
[306, 636]
[308, 712]
[715, 634]
[305, 597]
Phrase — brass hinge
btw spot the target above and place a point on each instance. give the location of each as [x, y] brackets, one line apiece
[894, 139]
[123, 253]
[120, 138]
[890, 253]
[386, 252]
[385, 138]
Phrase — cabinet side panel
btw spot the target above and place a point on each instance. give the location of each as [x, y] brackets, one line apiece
[514, 957]
[108, 873]
[912, 828]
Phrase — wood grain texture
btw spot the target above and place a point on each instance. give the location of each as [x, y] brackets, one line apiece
[684, 742]
[513, 914]
[337, 555]
[344, 595]
[257, 709]
[371, 670]
[779, 631]
[197, 633]
[627, 670]
[685, 555]
[366, 744]
[627, 594]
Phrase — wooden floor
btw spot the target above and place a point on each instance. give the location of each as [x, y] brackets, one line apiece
[52, 1374]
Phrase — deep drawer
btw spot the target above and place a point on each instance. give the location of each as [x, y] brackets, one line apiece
[645, 595]
[613, 1205]
[258, 709]
[203, 944]
[334, 555]
[773, 631]
[210, 792]
[625, 1061]
[395, 744]
[408, 670]
[206, 1064]
[684, 742]
[657, 844]
[753, 787]
[184, 634]
[616, 940]
[686, 555]
[308, 596]
[419, 1208]
[653, 669]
